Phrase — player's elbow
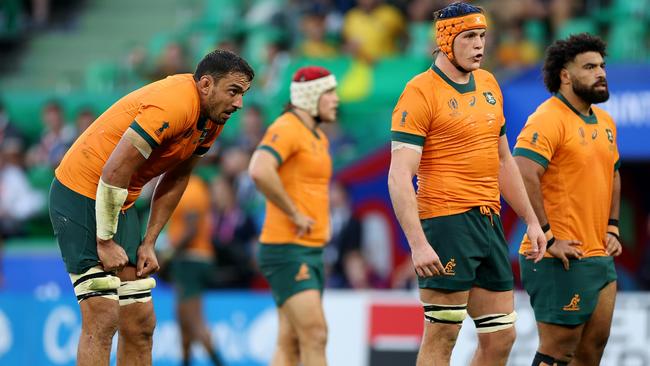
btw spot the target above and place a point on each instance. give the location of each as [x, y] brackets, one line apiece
[396, 177]
[256, 173]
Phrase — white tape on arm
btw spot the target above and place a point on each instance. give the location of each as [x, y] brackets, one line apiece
[396, 145]
[108, 202]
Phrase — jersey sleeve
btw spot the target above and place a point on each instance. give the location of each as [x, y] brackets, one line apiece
[411, 117]
[539, 139]
[159, 119]
[280, 141]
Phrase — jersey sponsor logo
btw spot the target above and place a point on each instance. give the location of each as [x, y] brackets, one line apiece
[610, 135]
[472, 101]
[402, 122]
[303, 273]
[489, 98]
[449, 267]
[162, 128]
[594, 134]
[535, 137]
[573, 305]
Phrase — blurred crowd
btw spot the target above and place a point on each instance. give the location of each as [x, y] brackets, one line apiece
[271, 34]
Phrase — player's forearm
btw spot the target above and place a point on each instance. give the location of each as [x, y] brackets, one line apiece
[514, 191]
[402, 195]
[166, 196]
[614, 210]
[124, 161]
[269, 183]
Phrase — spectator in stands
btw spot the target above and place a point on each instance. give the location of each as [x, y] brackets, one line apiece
[345, 264]
[373, 29]
[84, 119]
[134, 66]
[7, 129]
[173, 60]
[420, 29]
[18, 200]
[252, 128]
[314, 29]
[233, 235]
[343, 146]
[277, 59]
[234, 165]
[57, 137]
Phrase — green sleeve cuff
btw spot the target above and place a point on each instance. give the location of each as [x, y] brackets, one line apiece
[201, 150]
[408, 138]
[532, 155]
[503, 130]
[617, 165]
[140, 131]
[273, 152]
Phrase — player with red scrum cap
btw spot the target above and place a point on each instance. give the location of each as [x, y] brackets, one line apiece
[292, 168]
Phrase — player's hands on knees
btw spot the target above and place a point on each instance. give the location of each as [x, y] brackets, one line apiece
[303, 223]
[147, 261]
[111, 255]
[614, 247]
[565, 250]
[426, 261]
[538, 242]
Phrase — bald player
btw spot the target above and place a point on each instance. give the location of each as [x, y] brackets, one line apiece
[292, 168]
[448, 129]
[161, 129]
[568, 156]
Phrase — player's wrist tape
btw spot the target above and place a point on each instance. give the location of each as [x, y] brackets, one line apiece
[546, 228]
[612, 228]
[550, 239]
[550, 242]
[108, 202]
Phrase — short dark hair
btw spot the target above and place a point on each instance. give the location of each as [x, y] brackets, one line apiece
[219, 63]
[564, 51]
[456, 9]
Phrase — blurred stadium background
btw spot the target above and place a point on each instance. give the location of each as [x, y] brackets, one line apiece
[62, 62]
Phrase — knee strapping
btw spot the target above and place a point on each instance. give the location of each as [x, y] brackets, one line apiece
[446, 314]
[136, 291]
[542, 359]
[95, 282]
[494, 322]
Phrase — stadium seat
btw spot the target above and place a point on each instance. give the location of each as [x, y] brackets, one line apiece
[102, 77]
[575, 26]
[627, 40]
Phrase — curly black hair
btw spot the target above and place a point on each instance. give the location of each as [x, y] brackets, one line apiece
[564, 51]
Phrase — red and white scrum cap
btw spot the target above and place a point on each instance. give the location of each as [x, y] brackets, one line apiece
[308, 84]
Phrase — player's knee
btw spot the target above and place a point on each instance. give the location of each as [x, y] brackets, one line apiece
[100, 319]
[314, 335]
[138, 326]
[597, 341]
[498, 343]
